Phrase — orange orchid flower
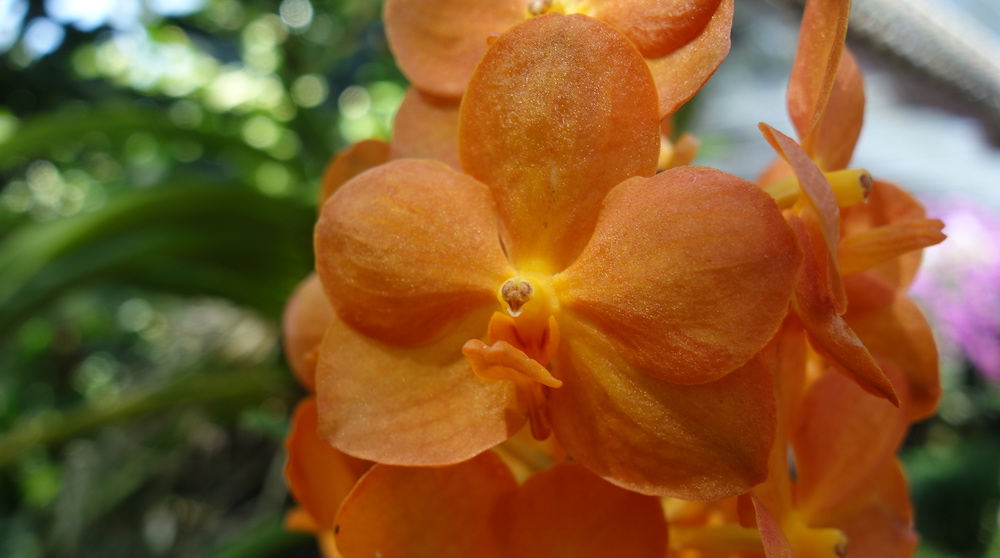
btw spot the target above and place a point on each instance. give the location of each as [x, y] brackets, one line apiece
[558, 282]
[826, 103]
[437, 43]
[848, 491]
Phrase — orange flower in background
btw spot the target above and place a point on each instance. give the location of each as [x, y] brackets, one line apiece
[437, 43]
[847, 491]
[557, 282]
[826, 103]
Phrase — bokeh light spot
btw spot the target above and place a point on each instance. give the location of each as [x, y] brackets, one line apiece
[309, 90]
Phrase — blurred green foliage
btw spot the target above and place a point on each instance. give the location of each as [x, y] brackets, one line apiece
[159, 171]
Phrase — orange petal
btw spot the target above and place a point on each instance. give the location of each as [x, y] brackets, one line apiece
[656, 27]
[876, 246]
[821, 41]
[830, 334]
[680, 74]
[351, 162]
[303, 324]
[689, 273]
[426, 127]
[776, 544]
[887, 204]
[560, 110]
[701, 442]
[422, 406]
[883, 527]
[831, 142]
[818, 206]
[298, 519]
[844, 438]
[318, 476]
[787, 352]
[897, 334]
[414, 511]
[817, 190]
[437, 43]
[407, 249]
[567, 511]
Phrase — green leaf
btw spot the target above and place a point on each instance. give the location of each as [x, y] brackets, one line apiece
[206, 239]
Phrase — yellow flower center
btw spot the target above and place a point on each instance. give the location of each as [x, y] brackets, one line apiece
[522, 343]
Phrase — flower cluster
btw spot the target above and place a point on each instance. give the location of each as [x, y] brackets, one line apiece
[536, 331]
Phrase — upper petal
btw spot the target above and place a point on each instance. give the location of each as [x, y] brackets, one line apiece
[700, 442]
[426, 127]
[560, 110]
[409, 248]
[821, 42]
[421, 406]
[437, 43]
[656, 27]
[831, 141]
[681, 73]
[689, 273]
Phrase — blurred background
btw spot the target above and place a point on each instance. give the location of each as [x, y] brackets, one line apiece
[159, 163]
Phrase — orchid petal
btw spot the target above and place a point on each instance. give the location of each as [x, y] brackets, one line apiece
[819, 211]
[884, 526]
[318, 476]
[298, 519]
[682, 73]
[421, 406]
[787, 352]
[656, 27]
[569, 512]
[407, 249]
[831, 141]
[897, 334]
[830, 334]
[776, 544]
[703, 442]
[835, 439]
[821, 41]
[551, 132]
[437, 43]
[689, 273]
[426, 127]
[876, 246]
[427, 512]
[887, 204]
[304, 322]
[351, 162]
